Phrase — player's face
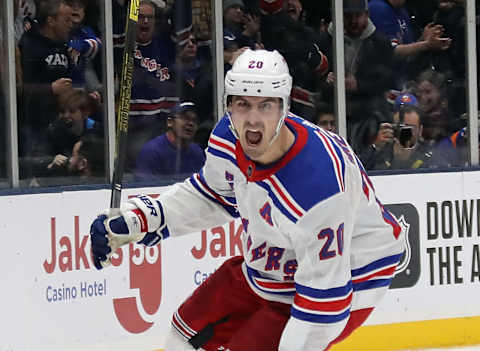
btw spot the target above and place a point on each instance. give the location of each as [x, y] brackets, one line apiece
[255, 119]
[429, 96]
[327, 122]
[233, 14]
[62, 22]
[78, 14]
[76, 119]
[293, 8]
[189, 50]
[146, 23]
[355, 23]
[185, 125]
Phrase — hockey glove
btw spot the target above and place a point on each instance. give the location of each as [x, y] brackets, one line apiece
[140, 219]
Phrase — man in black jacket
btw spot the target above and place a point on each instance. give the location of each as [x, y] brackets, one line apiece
[368, 72]
[46, 70]
[282, 29]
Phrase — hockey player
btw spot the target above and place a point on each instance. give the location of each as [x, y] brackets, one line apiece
[319, 249]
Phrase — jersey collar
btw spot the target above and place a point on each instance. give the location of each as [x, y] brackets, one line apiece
[255, 172]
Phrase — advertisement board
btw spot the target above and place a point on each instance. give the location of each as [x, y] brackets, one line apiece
[53, 298]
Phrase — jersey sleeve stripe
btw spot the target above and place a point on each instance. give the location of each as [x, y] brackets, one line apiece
[211, 150]
[181, 327]
[224, 143]
[376, 265]
[338, 292]
[321, 319]
[386, 272]
[306, 304]
[372, 284]
[201, 186]
[221, 148]
[336, 161]
[269, 286]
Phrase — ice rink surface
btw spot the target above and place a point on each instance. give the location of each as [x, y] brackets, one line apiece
[468, 348]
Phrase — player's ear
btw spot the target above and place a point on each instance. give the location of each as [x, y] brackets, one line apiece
[83, 164]
[50, 20]
[169, 122]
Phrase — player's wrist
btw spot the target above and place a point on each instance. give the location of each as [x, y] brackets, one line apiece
[149, 212]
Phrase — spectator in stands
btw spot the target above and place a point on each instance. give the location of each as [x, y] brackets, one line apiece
[242, 22]
[46, 70]
[88, 159]
[73, 121]
[401, 146]
[172, 153]
[368, 73]
[153, 91]
[455, 147]
[25, 11]
[283, 30]
[380, 151]
[432, 92]
[293, 8]
[193, 80]
[231, 50]
[326, 117]
[83, 46]
[392, 19]
[451, 15]
[202, 23]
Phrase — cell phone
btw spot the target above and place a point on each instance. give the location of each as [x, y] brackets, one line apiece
[405, 135]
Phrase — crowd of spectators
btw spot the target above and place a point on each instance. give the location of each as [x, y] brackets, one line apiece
[404, 79]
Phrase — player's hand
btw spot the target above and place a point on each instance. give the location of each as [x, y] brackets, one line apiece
[384, 136]
[439, 44]
[251, 25]
[58, 161]
[138, 220]
[61, 85]
[331, 78]
[432, 30]
[400, 152]
[351, 83]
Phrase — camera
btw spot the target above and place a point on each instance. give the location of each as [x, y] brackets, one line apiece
[404, 135]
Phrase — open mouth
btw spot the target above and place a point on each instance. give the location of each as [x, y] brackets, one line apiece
[292, 10]
[253, 137]
[144, 29]
[188, 131]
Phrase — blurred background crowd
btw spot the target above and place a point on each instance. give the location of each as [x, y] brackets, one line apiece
[405, 81]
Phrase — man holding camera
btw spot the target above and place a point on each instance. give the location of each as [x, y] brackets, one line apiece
[399, 145]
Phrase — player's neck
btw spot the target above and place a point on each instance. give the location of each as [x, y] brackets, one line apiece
[280, 146]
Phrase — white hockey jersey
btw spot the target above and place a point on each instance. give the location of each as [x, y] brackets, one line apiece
[315, 235]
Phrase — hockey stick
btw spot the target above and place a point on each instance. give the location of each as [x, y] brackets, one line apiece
[123, 113]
